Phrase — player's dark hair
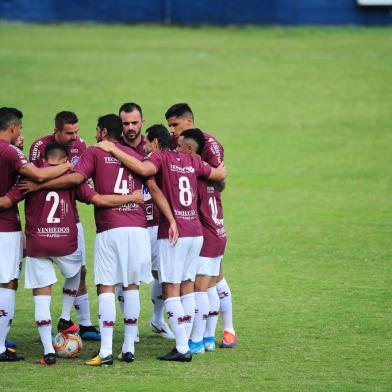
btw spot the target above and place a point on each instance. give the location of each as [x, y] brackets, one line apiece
[197, 136]
[159, 132]
[9, 116]
[179, 110]
[130, 107]
[113, 124]
[63, 118]
[55, 151]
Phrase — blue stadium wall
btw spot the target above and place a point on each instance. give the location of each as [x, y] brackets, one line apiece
[195, 12]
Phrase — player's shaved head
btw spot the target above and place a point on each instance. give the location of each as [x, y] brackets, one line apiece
[159, 132]
[55, 152]
[9, 116]
[179, 110]
[63, 118]
[195, 137]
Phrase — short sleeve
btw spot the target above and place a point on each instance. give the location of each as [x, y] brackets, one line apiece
[85, 166]
[155, 158]
[202, 168]
[15, 194]
[17, 157]
[85, 193]
[213, 152]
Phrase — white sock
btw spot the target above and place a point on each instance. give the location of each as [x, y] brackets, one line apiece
[120, 297]
[158, 302]
[175, 314]
[70, 290]
[43, 321]
[107, 318]
[226, 306]
[82, 306]
[189, 305]
[201, 316]
[7, 309]
[214, 303]
[131, 318]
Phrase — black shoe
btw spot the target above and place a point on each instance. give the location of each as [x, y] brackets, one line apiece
[10, 355]
[174, 355]
[48, 360]
[89, 333]
[67, 326]
[126, 357]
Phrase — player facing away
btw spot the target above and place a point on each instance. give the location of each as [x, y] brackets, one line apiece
[132, 119]
[51, 238]
[202, 339]
[176, 174]
[179, 118]
[66, 132]
[13, 163]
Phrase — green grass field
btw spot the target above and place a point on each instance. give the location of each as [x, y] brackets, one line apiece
[305, 117]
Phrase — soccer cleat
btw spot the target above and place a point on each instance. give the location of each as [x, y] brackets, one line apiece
[229, 340]
[174, 355]
[209, 344]
[196, 347]
[126, 357]
[162, 329]
[89, 333]
[48, 360]
[99, 361]
[67, 326]
[10, 344]
[10, 355]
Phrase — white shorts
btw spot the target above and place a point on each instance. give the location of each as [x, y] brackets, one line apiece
[122, 255]
[153, 231]
[179, 263]
[40, 271]
[81, 242]
[11, 254]
[209, 266]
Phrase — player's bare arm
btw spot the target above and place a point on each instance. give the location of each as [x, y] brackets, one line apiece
[44, 174]
[64, 182]
[112, 201]
[142, 168]
[163, 205]
[219, 173]
[5, 203]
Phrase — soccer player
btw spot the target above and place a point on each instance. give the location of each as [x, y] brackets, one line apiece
[122, 246]
[202, 339]
[132, 119]
[51, 237]
[179, 118]
[176, 174]
[13, 163]
[66, 132]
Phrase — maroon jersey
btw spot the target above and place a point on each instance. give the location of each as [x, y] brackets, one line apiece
[110, 177]
[213, 151]
[177, 178]
[37, 153]
[11, 161]
[37, 150]
[51, 229]
[211, 218]
[152, 212]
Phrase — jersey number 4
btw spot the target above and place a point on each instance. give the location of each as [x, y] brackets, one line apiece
[121, 186]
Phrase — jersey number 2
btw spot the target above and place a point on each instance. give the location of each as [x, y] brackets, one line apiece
[56, 201]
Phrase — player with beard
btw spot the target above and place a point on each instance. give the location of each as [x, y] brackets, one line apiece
[66, 132]
[132, 119]
[176, 174]
[13, 163]
[180, 118]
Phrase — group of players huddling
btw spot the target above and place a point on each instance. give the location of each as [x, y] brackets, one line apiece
[158, 214]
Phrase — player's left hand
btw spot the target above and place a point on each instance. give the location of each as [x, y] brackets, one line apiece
[105, 146]
[28, 186]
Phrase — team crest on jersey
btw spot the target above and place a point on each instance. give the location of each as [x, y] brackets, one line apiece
[75, 159]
